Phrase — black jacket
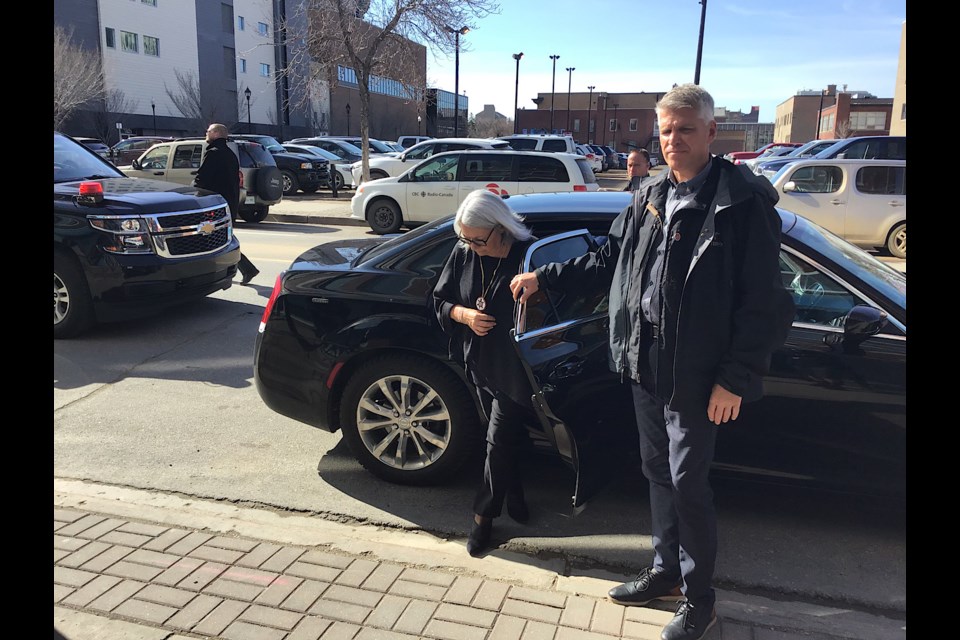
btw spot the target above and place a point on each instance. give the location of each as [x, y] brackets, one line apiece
[220, 172]
[729, 309]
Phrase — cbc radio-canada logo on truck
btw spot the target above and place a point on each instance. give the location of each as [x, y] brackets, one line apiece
[497, 189]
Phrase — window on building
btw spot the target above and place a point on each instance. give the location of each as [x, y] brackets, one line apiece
[868, 120]
[263, 29]
[226, 18]
[230, 62]
[240, 23]
[243, 65]
[264, 70]
[633, 124]
[111, 37]
[152, 3]
[613, 124]
[151, 46]
[903, 111]
[576, 124]
[129, 42]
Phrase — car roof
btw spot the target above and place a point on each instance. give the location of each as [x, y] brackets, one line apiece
[799, 162]
[569, 202]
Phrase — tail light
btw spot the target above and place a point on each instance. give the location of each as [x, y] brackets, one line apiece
[241, 178]
[579, 187]
[273, 298]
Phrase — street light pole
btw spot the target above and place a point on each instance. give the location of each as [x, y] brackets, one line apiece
[348, 118]
[589, 111]
[570, 71]
[246, 92]
[418, 125]
[456, 76]
[516, 90]
[153, 107]
[616, 124]
[703, 17]
[552, 87]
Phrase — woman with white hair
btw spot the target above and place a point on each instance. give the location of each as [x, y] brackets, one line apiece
[474, 305]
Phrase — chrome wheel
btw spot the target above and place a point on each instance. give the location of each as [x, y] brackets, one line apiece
[61, 300]
[403, 422]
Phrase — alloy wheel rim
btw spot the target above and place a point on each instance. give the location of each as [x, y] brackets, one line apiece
[403, 422]
[61, 300]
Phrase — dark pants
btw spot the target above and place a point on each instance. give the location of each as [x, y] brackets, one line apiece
[676, 449]
[507, 441]
[245, 266]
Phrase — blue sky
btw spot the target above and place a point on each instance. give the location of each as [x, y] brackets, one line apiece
[754, 52]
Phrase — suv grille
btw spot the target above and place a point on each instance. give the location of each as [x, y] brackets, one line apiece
[190, 233]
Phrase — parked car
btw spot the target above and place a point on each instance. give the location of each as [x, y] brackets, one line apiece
[773, 152]
[126, 247]
[342, 176]
[408, 141]
[178, 161]
[346, 151]
[604, 158]
[769, 166]
[125, 151]
[384, 166]
[347, 343]
[437, 186]
[299, 172]
[867, 147]
[622, 160]
[375, 146]
[613, 161]
[736, 157]
[596, 163]
[541, 142]
[96, 145]
[862, 201]
[396, 146]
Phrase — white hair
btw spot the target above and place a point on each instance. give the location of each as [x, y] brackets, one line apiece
[687, 96]
[484, 210]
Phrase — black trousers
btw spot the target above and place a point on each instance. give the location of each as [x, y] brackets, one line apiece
[507, 442]
[245, 266]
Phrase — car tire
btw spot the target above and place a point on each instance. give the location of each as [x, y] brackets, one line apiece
[376, 174]
[338, 180]
[72, 304]
[395, 446]
[310, 188]
[255, 215]
[383, 216]
[290, 183]
[897, 241]
[269, 183]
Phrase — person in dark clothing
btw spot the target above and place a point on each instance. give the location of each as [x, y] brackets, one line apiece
[696, 308]
[220, 172]
[638, 168]
[474, 306]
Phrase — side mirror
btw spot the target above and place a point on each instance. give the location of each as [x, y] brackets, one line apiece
[790, 187]
[135, 163]
[841, 156]
[860, 323]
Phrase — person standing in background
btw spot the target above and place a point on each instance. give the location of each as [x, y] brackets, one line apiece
[638, 168]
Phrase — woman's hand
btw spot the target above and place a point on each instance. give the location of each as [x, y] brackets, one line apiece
[524, 285]
[479, 322]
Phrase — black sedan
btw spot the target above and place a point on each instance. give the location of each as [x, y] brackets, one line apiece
[348, 342]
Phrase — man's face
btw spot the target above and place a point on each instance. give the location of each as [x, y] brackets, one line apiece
[637, 165]
[212, 134]
[685, 141]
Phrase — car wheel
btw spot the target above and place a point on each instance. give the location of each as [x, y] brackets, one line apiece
[897, 241]
[310, 188]
[376, 174]
[407, 420]
[72, 305]
[384, 216]
[290, 183]
[338, 180]
[255, 215]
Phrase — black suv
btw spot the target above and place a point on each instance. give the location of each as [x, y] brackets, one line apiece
[125, 247]
[300, 172]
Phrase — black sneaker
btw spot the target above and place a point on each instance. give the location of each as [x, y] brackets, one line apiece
[650, 584]
[691, 622]
[479, 539]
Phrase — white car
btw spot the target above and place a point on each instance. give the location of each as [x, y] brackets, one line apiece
[343, 176]
[596, 163]
[541, 142]
[862, 201]
[436, 187]
[388, 166]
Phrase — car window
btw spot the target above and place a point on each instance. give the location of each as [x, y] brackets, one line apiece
[817, 179]
[252, 155]
[586, 171]
[882, 180]
[487, 168]
[187, 156]
[552, 306]
[441, 169]
[73, 161]
[156, 158]
[422, 152]
[555, 145]
[540, 169]
[894, 149]
[818, 298]
[522, 144]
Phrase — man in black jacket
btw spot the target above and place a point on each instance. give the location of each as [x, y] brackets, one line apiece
[638, 168]
[696, 308]
[220, 172]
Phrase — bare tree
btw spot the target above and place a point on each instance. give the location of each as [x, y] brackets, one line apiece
[489, 128]
[189, 102]
[113, 104]
[843, 130]
[373, 38]
[77, 75]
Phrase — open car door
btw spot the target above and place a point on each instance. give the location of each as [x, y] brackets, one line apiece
[562, 337]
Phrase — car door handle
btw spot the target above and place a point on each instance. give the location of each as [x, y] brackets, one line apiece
[895, 203]
[158, 173]
[193, 173]
[836, 201]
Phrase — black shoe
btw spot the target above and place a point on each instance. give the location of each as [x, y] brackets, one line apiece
[479, 538]
[249, 275]
[691, 622]
[650, 584]
[517, 508]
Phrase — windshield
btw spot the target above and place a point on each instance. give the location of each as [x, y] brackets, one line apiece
[380, 147]
[403, 238]
[271, 143]
[72, 161]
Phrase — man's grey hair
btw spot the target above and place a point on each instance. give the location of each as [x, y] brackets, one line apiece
[688, 96]
[220, 130]
[484, 210]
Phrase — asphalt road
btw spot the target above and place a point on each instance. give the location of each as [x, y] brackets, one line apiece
[168, 404]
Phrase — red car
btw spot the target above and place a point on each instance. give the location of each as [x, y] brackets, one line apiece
[736, 157]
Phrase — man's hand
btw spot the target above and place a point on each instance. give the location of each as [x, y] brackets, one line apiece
[524, 285]
[724, 405]
[479, 322]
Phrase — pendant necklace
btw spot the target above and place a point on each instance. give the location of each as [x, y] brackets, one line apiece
[481, 301]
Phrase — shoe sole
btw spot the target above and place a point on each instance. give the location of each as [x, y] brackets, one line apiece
[646, 602]
[707, 630]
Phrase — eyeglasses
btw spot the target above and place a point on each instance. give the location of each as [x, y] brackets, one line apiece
[477, 243]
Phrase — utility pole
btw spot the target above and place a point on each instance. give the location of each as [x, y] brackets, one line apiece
[553, 85]
[703, 17]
